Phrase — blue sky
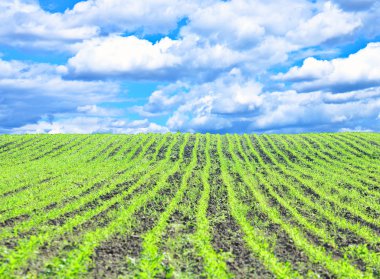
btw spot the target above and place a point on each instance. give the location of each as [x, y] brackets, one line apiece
[244, 66]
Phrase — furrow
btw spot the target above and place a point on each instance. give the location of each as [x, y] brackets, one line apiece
[323, 210]
[27, 248]
[316, 254]
[78, 261]
[354, 210]
[214, 264]
[254, 239]
[151, 257]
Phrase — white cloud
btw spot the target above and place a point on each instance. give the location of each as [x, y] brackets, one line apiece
[219, 35]
[359, 70]
[312, 113]
[311, 69]
[153, 16]
[9, 68]
[142, 126]
[163, 101]
[229, 95]
[356, 129]
[249, 34]
[25, 24]
[79, 125]
[130, 56]
[329, 23]
[90, 125]
[29, 91]
[243, 23]
[217, 62]
[212, 105]
[226, 23]
[234, 104]
[98, 111]
[240, 24]
[371, 20]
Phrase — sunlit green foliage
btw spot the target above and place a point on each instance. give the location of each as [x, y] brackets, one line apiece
[190, 206]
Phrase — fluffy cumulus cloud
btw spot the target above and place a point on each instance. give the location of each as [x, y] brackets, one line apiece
[25, 24]
[225, 95]
[220, 35]
[285, 111]
[123, 56]
[329, 23]
[31, 91]
[357, 71]
[166, 60]
[233, 103]
[152, 16]
[246, 24]
[220, 66]
[292, 111]
[369, 13]
[90, 125]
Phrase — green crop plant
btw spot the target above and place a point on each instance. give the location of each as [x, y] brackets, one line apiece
[190, 206]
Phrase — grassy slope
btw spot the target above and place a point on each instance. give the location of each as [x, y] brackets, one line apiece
[181, 205]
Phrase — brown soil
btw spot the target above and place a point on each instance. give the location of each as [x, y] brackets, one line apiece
[12, 221]
[227, 236]
[118, 255]
[58, 147]
[284, 247]
[104, 150]
[176, 241]
[15, 147]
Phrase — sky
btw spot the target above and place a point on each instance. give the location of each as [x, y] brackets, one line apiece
[239, 66]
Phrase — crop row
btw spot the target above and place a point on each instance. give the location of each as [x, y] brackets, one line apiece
[190, 205]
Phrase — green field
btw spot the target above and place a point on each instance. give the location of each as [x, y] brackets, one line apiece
[190, 206]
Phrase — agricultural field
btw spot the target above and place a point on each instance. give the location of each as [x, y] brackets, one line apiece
[190, 206]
